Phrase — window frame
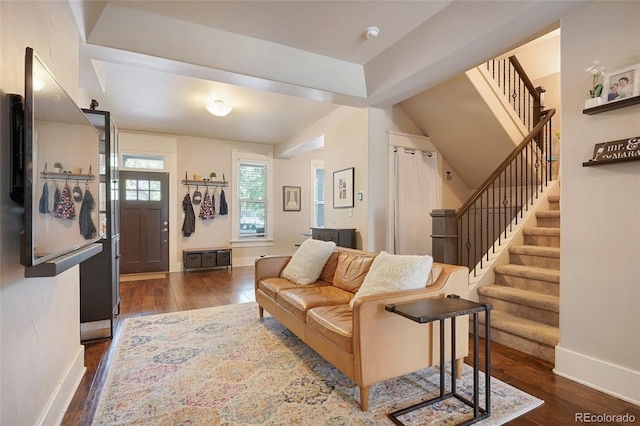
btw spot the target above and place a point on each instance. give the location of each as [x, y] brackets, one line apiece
[247, 241]
[316, 164]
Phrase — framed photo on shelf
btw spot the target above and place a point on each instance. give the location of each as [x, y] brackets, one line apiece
[343, 188]
[291, 198]
[621, 84]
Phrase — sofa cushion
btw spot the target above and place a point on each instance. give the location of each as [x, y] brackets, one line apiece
[436, 270]
[299, 300]
[351, 270]
[272, 286]
[307, 262]
[392, 272]
[329, 268]
[335, 323]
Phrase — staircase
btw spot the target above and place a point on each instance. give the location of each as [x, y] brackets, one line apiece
[525, 296]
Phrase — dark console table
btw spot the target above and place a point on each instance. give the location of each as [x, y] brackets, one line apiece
[450, 307]
[345, 237]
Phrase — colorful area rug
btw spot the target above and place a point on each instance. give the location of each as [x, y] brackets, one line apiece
[225, 366]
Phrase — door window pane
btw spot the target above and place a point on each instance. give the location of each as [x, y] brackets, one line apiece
[143, 190]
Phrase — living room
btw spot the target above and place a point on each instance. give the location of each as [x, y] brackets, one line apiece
[41, 353]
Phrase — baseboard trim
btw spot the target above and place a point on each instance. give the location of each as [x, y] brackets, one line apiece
[611, 379]
[244, 261]
[64, 392]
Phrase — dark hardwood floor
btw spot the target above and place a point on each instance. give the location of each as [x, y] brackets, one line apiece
[201, 289]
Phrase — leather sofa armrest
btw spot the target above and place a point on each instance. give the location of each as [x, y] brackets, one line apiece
[269, 267]
[453, 278]
[387, 345]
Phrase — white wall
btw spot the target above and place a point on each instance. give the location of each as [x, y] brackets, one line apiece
[184, 154]
[346, 145]
[353, 138]
[380, 123]
[167, 148]
[191, 155]
[199, 155]
[290, 225]
[40, 353]
[600, 243]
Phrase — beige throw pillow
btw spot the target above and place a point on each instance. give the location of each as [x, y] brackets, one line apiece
[307, 262]
[392, 272]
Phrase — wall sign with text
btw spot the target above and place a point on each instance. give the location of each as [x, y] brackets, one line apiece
[615, 152]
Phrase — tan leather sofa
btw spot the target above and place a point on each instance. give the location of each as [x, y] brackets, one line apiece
[368, 344]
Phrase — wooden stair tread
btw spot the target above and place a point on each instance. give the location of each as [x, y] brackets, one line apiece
[535, 331]
[531, 272]
[520, 296]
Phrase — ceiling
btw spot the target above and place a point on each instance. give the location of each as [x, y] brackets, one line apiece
[283, 65]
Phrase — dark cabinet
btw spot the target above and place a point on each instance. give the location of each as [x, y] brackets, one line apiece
[100, 274]
[342, 237]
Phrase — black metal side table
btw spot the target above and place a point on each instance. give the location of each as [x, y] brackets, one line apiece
[452, 306]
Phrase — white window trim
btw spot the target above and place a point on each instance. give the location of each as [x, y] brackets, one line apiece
[267, 240]
[312, 199]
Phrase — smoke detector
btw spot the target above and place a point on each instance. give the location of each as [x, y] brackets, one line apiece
[371, 32]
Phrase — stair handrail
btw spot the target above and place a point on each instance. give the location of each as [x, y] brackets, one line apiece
[535, 146]
[536, 92]
[524, 77]
[502, 75]
[518, 149]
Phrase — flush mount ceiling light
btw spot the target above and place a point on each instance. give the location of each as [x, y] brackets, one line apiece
[371, 32]
[219, 108]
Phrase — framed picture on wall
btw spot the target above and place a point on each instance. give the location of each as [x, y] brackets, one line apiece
[343, 188]
[291, 198]
[622, 84]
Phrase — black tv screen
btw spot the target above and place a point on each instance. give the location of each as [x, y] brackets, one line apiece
[60, 162]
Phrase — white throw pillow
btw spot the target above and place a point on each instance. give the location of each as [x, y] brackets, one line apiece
[393, 272]
[307, 262]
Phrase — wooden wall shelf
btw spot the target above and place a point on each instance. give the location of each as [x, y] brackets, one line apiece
[618, 151]
[218, 183]
[66, 176]
[603, 162]
[612, 105]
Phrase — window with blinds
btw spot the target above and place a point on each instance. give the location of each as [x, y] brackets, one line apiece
[252, 199]
[318, 197]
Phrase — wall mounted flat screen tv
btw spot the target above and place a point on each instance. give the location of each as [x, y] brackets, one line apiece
[59, 159]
